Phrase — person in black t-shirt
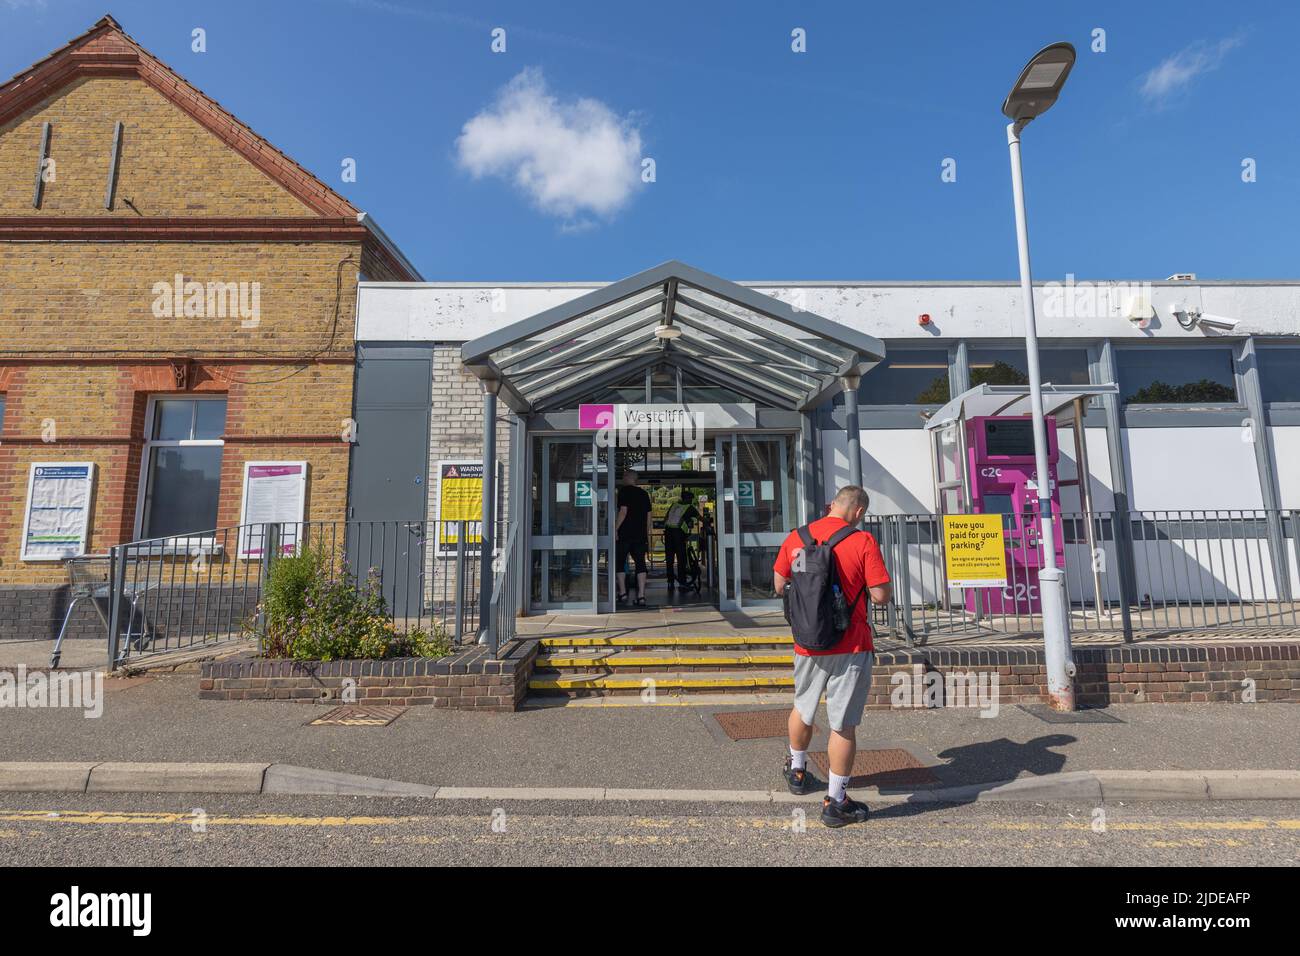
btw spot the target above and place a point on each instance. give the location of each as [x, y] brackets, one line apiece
[632, 534]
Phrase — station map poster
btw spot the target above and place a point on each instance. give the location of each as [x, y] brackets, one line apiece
[57, 517]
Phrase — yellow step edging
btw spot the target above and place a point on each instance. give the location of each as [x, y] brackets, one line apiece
[583, 682]
[661, 660]
[729, 641]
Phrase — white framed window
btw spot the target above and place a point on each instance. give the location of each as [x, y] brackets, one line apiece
[180, 470]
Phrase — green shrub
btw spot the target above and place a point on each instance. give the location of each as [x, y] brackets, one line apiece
[315, 611]
[285, 594]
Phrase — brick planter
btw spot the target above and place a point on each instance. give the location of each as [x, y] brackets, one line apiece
[467, 680]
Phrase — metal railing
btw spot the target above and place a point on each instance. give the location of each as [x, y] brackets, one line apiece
[1191, 571]
[194, 590]
[500, 628]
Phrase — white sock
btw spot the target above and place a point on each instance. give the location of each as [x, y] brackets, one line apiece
[798, 759]
[837, 787]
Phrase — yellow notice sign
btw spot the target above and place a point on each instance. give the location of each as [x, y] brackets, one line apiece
[460, 498]
[974, 551]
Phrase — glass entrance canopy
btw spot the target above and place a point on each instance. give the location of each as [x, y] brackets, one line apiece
[671, 316]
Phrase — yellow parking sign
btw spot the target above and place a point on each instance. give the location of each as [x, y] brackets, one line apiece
[974, 551]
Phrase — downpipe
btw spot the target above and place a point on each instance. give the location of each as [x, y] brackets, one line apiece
[1061, 669]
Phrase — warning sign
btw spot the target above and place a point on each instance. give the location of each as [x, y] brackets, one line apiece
[460, 498]
[974, 551]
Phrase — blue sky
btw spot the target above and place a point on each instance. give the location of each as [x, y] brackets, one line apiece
[769, 164]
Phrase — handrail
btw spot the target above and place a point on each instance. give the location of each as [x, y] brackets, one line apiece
[499, 627]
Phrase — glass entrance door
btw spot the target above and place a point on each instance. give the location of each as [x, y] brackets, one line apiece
[570, 566]
[757, 495]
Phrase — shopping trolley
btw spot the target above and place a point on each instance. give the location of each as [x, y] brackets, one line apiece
[89, 580]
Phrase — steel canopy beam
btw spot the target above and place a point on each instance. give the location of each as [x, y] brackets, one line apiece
[756, 349]
[742, 374]
[622, 363]
[725, 352]
[586, 350]
[723, 377]
[586, 386]
[754, 328]
[510, 361]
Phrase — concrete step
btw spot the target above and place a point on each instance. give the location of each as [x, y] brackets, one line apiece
[695, 642]
[660, 659]
[664, 683]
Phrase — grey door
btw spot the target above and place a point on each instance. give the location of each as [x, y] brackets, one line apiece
[388, 476]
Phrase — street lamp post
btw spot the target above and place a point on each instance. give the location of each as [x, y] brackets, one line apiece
[1034, 93]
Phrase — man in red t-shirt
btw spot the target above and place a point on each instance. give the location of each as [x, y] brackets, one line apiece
[843, 671]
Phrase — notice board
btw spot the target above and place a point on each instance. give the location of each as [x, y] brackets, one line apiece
[57, 517]
[274, 491]
[460, 498]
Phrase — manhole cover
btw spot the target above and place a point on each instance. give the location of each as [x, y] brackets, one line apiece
[1088, 716]
[880, 768]
[356, 715]
[754, 724]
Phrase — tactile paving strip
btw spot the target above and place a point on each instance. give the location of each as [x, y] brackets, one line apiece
[357, 715]
[880, 768]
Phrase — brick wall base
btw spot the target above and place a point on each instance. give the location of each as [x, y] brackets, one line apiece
[468, 680]
[35, 612]
[1106, 675]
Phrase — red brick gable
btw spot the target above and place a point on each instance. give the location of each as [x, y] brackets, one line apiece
[106, 50]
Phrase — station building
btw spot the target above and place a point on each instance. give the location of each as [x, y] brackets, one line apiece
[1187, 393]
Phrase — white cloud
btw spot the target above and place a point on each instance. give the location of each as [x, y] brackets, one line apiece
[1176, 73]
[572, 159]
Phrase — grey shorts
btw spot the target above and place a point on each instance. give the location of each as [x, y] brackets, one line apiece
[845, 679]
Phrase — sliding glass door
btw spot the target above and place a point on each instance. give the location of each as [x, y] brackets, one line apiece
[570, 565]
[757, 507]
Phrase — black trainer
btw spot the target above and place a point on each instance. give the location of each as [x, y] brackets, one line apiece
[843, 813]
[800, 782]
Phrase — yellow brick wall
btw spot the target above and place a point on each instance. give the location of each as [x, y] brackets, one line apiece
[106, 402]
[170, 165]
[69, 296]
[80, 342]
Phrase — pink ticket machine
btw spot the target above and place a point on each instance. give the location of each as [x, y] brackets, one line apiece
[1000, 462]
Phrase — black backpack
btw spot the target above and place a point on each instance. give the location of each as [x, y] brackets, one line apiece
[816, 606]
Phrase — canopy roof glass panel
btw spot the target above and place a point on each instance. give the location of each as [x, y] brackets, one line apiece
[671, 316]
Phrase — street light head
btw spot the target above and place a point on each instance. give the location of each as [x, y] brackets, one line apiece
[1040, 83]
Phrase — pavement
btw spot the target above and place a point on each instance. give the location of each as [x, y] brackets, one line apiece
[159, 719]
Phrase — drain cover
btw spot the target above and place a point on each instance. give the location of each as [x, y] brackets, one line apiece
[753, 724]
[880, 768]
[1089, 716]
[356, 715]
